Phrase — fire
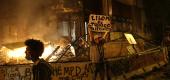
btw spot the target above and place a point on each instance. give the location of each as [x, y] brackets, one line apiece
[47, 51]
[18, 54]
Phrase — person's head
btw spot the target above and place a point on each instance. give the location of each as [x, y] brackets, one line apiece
[34, 49]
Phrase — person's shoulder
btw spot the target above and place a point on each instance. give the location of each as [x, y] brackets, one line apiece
[42, 61]
[44, 64]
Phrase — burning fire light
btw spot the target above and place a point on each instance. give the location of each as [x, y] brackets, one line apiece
[47, 51]
[18, 54]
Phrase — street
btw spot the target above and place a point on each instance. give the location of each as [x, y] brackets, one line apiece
[162, 73]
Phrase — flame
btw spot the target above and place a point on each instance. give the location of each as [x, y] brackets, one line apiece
[47, 51]
[72, 50]
[19, 53]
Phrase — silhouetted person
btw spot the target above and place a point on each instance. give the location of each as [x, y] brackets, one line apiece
[41, 69]
[99, 65]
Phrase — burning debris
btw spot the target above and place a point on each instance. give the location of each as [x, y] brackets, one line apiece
[14, 53]
[46, 21]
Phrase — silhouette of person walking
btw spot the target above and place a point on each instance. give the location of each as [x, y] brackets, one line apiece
[41, 69]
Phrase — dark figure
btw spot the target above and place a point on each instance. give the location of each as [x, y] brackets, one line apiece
[41, 69]
[100, 66]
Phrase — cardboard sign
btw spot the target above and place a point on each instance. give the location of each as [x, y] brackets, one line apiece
[99, 23]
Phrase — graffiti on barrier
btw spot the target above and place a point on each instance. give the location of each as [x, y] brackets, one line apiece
[18, 73]
[66, 71]
[74, 72]
[2, 73]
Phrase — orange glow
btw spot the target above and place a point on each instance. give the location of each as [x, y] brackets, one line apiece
[17, 55]
[47, 51]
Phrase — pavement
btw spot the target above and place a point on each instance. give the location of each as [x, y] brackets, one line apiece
[162, 73]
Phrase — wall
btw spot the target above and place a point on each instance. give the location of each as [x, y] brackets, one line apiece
[65, 71]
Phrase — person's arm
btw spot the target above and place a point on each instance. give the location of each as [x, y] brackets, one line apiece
[105, 34]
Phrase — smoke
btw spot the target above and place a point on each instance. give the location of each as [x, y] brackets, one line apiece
[31, 20]
[34, 16]
[41, 19]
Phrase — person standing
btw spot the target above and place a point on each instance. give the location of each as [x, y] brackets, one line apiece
[98, 53]
[41, 69]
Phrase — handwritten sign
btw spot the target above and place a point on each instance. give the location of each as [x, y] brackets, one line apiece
[99, 23]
